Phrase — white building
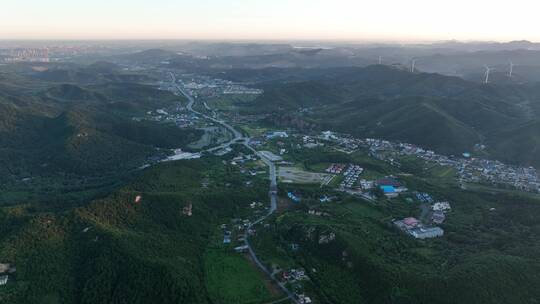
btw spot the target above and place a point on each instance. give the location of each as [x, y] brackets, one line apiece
[426, 232]
[441, 206]
[328, 135]
[277, 134]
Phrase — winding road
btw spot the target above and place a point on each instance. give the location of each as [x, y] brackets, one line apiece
[244, 140]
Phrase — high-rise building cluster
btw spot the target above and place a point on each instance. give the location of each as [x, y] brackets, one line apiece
[26, 55]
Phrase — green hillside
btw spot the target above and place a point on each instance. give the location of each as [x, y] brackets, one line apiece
[510, 144]
[73, 93]
[97, 72]
[447, 114]
[80, 139]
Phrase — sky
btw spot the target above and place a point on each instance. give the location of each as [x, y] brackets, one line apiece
[358, 20]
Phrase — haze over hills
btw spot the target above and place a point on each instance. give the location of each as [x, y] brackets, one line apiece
[453, 58]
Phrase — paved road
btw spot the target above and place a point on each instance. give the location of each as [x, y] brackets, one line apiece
[239, 138]
[273, 206]
[236, 134]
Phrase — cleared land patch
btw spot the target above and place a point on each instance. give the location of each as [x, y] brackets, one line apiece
[299, 176]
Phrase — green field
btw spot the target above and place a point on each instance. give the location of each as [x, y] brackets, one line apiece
[253, 130]
[230, 278]
[229, 102]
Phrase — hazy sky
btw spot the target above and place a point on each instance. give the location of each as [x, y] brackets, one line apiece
[272, 19]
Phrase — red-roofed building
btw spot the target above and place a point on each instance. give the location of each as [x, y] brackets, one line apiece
[388, 181]
[410, 221]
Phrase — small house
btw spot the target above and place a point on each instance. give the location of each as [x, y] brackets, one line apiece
[295, 197]
[441, 206]
[438, 217]
[241, 249]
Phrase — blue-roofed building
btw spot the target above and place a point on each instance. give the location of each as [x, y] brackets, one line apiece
[388, 189]
[294, 197]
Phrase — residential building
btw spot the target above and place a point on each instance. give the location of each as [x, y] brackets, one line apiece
[241, 249]
[441, 206]
[438, 217]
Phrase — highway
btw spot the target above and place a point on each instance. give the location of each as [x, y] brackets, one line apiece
[239, 138]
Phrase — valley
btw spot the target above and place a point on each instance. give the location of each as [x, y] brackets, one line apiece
[163, 177]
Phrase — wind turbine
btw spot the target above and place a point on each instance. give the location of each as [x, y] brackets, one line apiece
[413, 63]
[380, 59]
[488, 70]
[511, 69]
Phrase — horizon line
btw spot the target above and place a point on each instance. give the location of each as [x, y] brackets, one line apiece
[337, 40]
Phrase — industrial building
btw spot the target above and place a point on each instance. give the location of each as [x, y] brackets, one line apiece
[426, 232]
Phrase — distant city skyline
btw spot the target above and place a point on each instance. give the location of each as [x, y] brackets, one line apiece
[383, 20]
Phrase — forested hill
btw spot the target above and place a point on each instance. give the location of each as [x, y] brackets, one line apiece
[118, 249]
[447, 114]
[79, 138]
[98, 72]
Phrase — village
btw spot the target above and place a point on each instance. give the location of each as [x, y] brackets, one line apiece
[468, 168]
[182, 120]
[433, 212]
[207, 87]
